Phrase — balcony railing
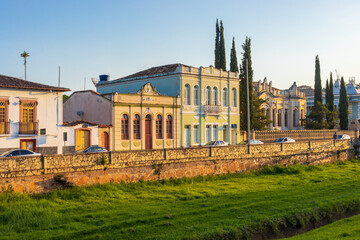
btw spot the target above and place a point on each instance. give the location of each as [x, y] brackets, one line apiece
[28, 127]
[212, 110]
[4, 127]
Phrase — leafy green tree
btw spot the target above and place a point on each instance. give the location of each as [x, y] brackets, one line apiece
[222, 56]
[217, 46]
[316, 118]
[343, 106]
[65, 97]
[25, 55]
[233, 59]
[258, 119]
[317, 90]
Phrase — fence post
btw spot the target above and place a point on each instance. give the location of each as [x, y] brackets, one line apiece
[309, 145]
[210, 151]
[248, 148]
[281, 147]
[164, 154]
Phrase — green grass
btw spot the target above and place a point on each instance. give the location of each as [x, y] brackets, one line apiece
[213, 207]
[346, 229]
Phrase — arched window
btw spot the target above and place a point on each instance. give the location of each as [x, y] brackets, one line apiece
[169, 127]
[187, 94]
[125, 127]
[159, 127]
[225, 97]
[137, 126]
[208, 96]
[215, 96]
[234, 97]
[196, 95]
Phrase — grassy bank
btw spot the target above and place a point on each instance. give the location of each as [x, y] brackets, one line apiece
[200, 208]
[346, 229]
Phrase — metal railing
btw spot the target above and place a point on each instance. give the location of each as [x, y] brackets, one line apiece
[28, 127]
[4, 127]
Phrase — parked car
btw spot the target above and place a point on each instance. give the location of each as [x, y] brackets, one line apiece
[344, 136]
[284, 140]
[19, 152]
[253, 142]
[216, 143]
[93, 149]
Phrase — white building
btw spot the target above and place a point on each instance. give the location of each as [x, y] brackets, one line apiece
[87, 121]
[31, 116]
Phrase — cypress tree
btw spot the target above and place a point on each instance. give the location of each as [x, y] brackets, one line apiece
[258, 118]
[217, 45]
[233, 59]
[331, 109]
[331, 91]
[327, 94]
[315, 119]
[318, 89]
[243, 85]
[343, 106]
[222, 57]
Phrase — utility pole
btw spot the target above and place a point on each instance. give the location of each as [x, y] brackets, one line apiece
[59, 78]
[248, 104]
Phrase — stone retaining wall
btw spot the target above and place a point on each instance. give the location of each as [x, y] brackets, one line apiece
[37, 174]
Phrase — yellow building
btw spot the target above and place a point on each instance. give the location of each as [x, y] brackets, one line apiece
[206, 99]
[285, 108]
[145, 120]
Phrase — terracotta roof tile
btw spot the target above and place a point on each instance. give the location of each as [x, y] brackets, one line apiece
[11, 82]
[154, 71]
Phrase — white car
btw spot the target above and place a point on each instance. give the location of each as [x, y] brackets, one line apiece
[284, 140]
[343, 137]
[216, 143]
[19, 152]
[255, 141]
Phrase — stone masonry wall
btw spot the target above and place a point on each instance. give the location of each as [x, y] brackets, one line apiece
[37, 174]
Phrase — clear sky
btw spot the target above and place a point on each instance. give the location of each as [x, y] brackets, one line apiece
[91, 37]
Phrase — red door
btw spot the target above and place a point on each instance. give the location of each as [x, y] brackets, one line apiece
[148, 132]
[105, 140]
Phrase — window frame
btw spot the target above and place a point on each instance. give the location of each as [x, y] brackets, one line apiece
[169, 127]
[137, 127]
[125, 127]
[159, 126]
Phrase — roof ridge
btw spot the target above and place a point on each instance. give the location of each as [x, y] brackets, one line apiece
[13, 82]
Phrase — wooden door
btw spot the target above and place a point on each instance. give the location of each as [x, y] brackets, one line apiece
[148, 132]
[82, 139]
[29, 144]
[105, 140]
[233, 137]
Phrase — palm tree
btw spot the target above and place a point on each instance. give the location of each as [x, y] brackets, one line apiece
[25, 55]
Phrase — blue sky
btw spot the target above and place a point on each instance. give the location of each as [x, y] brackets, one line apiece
[89, 38]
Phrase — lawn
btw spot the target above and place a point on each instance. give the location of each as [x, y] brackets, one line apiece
[199, 208]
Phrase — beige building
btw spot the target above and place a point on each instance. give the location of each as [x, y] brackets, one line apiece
[145, 120]
[285, 108]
